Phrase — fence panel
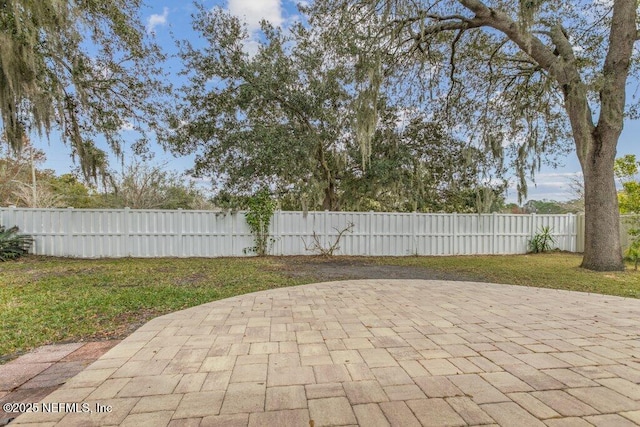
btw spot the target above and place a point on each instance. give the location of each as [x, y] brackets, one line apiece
[95, 233]
[627, 222]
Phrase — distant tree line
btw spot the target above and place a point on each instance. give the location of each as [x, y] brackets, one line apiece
[24, 183]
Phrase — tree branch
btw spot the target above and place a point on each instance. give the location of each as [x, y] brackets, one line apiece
[530, 44]
[421, 15]
[452, 63]
[622, 37]
[564, 72]
[560, 39]
[327, 251]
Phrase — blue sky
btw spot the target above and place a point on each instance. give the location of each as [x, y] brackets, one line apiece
[170, 19]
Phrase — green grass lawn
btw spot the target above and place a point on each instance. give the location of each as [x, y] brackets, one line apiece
[45, 300]
[550, 270]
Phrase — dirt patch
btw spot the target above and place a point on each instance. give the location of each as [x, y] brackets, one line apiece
[328, 269]
[192, 279]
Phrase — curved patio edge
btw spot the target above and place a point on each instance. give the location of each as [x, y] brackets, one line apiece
[370, 352]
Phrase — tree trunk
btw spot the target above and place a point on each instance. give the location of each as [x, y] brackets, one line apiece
[602, 250]
[330, 202]
[595, 145]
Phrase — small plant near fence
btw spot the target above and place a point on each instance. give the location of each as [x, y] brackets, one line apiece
[542, 241]
[317, 248]
[12, 244]
[260, 210]
[633, 251]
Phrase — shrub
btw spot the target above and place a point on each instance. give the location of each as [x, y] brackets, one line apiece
[258, 217]
[12, 244]
[633, 252]
[542, 241]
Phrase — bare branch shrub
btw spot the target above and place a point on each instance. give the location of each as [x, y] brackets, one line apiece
[317, 247]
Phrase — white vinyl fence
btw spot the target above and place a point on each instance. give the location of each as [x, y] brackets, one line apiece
[95, 233]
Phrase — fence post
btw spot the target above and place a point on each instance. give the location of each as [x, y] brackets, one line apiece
[624, 231]
[125, 235]
[370, 246]
[67, 230]
[233, 233]
[568, 231]
[275, 221]
[226, 221]
[14, 216]
[325, 234]
[281, 239]
[532, 231]
[455, 233]
[14, 222]
[178, 225]
[494, 237]
[414, 237]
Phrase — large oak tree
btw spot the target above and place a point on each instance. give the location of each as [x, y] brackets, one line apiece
[286, 116]
[518, 74]
[275, 117]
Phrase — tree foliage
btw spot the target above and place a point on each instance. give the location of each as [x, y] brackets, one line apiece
[72, 192]
[23, 181]
[291, 117]
[15, 170]
[519, 78]
[142, 186]
[552, 207]
[469, 63]
[138, 186]
[419, 168]
[83, 68]
[260, 208]
[276, 118]
[626, 170]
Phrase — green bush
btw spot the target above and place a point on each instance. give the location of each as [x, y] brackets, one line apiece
[542, 241]
[12, 244]
[633, 252]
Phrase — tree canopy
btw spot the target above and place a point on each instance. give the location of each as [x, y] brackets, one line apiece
[520, 78]
[142, 186]
[626, 169]
[290, 117]
[83, 68]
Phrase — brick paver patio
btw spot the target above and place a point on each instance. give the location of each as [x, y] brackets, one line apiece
[373, 353]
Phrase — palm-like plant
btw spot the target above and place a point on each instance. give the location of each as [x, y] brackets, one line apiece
[12, 244]
[542, 241]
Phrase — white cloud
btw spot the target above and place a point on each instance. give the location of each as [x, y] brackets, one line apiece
[126, 126]
[254, 11]
[251, 46]
[154, 20]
